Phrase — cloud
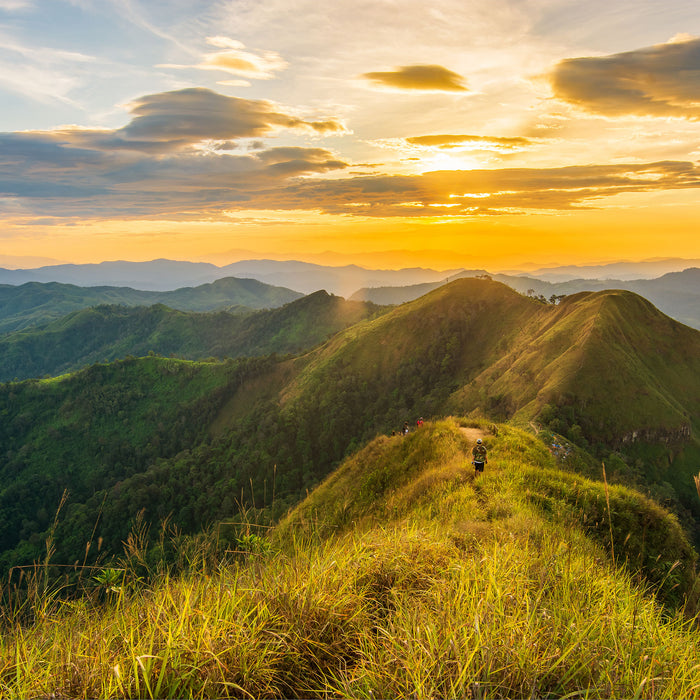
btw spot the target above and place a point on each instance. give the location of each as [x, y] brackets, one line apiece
[176, 154]
[181, 155]
[14, 5]
[480, 192]
[234, 59]
[468, 140]
[54, 178]
[420, 77]
[659, 81]
[183, 119]
[195, 114]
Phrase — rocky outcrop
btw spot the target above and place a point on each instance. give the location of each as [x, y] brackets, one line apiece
[682, 433]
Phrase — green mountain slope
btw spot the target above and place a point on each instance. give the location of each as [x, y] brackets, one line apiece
[404, 576]
[108, 333]
[36, 303]
[675, 293]
[86, 432]
[471, 346]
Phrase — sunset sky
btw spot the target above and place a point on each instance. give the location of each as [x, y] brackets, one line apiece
[476, 133]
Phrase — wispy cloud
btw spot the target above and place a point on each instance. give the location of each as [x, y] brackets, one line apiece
[659, 81]
[419, 77]
[233, 58]
[14, 5]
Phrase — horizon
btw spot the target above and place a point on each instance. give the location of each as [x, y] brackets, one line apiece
[479, 136]
[673, 264]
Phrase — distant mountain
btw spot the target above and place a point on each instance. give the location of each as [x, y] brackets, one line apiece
[676, 293]
[155, 275]
[35, 303]
[106, 333]
[308, 277]
[163, 275]
[645, 269]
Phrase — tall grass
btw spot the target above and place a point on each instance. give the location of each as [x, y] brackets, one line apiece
[456, 589]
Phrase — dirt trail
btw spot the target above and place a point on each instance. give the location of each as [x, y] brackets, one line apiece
[473, 433]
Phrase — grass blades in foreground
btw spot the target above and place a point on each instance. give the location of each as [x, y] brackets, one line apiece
[455, 588]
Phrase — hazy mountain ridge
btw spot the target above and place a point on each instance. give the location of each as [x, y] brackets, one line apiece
[36, 303]
[676, 293]
[106, 333]
[645, 269]
[305, 277]
[164, 275]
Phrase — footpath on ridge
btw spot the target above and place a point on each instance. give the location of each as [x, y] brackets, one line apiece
[473, 434]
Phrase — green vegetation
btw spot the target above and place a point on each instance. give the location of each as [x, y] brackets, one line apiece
[106, 333]
[37, 303]
[91, 431]
[417, 582]
[196, 442]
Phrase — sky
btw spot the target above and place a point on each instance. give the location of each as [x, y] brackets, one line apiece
[388, 133]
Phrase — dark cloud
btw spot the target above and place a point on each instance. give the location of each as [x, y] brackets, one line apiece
[458, 140]
[73, 172]
[661, 80]
[419, 78]
[174, 121]
[486, 192]
[196, 114]
[53, 177]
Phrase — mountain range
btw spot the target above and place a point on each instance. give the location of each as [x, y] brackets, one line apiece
[105, 333]
[603, 372]
[675, 293]
[184, 285]
[36, 303]
[164, 275]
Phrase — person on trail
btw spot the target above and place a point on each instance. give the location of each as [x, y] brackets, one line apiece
[419, 422]
[479, 457]
[405, 428]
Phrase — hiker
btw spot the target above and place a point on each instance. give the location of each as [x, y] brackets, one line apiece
[419, 422]
[479, 457]
[405, 428]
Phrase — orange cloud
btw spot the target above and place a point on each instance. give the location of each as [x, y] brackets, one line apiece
[661, 81]
[421, 77]
[233, 59]
[458, 140]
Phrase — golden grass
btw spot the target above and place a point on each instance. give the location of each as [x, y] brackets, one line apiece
[461, 588]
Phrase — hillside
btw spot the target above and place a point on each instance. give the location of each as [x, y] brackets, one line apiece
[405, 577]
[35, 303]
[107, 333]
[476, 344]
[473, 346]
[676, 293]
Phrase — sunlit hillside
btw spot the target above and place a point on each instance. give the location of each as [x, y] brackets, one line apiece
[400, 576]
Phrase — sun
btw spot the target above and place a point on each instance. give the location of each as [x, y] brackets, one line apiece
[440, 160]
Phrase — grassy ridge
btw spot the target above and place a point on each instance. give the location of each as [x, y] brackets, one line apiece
[431, 585]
